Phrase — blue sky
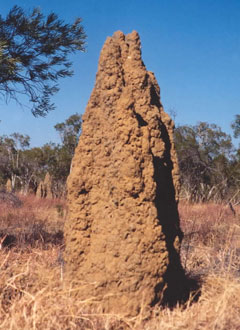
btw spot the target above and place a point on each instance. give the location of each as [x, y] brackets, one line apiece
[192, 46]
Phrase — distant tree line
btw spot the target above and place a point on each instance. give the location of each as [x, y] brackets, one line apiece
[209, 163]
[26, 167]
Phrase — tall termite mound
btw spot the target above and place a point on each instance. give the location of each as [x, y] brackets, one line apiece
[122, 233]
[9, 185]
[44, 189]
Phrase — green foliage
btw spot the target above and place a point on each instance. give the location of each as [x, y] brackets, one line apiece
[11, 152]
[69, 132]
[236, 126]
[208, 165]
[26, 167]
[34, 53]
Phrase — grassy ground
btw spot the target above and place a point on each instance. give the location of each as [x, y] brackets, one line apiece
[34, 295]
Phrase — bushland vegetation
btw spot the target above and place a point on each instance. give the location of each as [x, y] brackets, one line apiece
[27, 167]
[209, 161]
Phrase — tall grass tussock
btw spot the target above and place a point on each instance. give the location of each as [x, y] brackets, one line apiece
[34, 295]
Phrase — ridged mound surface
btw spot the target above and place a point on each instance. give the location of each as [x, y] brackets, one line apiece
[122, 233]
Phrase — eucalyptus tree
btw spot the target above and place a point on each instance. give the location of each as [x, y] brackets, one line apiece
[205, 156]
[34, 55]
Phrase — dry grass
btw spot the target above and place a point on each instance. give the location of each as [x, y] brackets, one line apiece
[33, 294]
[212, 239]
[36, 222]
